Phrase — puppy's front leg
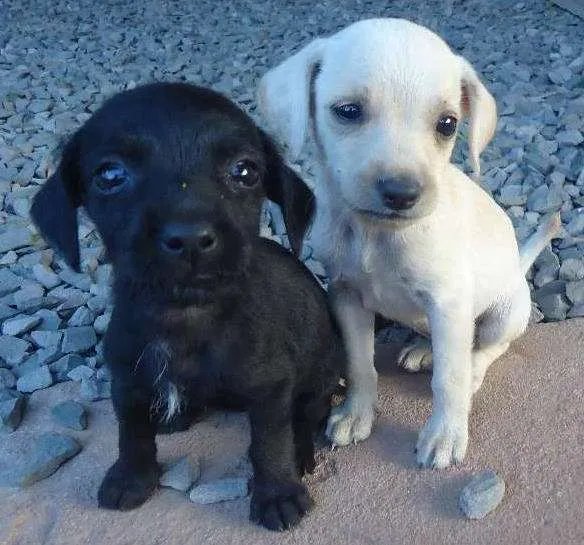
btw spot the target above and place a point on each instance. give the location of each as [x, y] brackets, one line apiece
[443, 439]
[352, 421]
[134, 476]
[279, 500]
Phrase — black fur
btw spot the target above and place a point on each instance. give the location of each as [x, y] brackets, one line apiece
[229, 317]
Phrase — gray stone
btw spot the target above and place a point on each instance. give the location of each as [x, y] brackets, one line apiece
[79, 339]
[575, 291]
[572, 269]
[181, 474]
[97, 304]
[50, 320]
[31, 291]
[219, 491]
[11, 412]
[7, 379]
[577, 311]
[13, 350]
[81, 372]
[7, 312]
[35, 380]
[78, 280]
[63, 366]
[93, 389]
[46, 339]
[576, 225]
[81, 317]
[48, 355]
[70, 414]
[9, 282]
[560, 75]
[101, 323]
[19, 325]
[51, 450]
[15, 237]
[46, 276]
[482, 494]
[571, 137]
[33, 305]
[76, 299]
[554, 306]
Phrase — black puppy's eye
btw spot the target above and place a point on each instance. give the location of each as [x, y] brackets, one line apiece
[111, 178]
[348, 111]
[244, 173]
[446, 125]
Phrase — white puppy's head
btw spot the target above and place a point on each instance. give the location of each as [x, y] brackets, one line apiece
[384, 98]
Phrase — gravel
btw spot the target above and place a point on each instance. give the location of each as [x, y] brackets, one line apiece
[70, 414]
[181, 474]
[50, 451]
[220, 490]
[482, 494]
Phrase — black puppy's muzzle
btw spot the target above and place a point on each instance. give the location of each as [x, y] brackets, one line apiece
[190, 240]
[399, 193]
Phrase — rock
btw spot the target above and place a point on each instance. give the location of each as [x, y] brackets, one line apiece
[482, 494]
[29, 292]
[576, 225]
[45, 356]
[46, 276]
[78, 280]
[511, 195]
[7, 379]
[50, 451]
[81, 372]
[575, 291]
[81, 317]
[64, 365]
[101, 323]
[181, 474]
[11, 412]
[554, 306]
[97, 304]
[577, 311]
[7, 312]
[220, 490]
[9, 282]
[19, 325]
[571, 137]
[35, 380]
[13, 350]
[36, 303]
[45, 339]
[15, 237]
[79, 339]
[50, 320]
[572, 269]
[94, 389]
[70, 414]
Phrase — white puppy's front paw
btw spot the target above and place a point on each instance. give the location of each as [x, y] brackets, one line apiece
[442, 442]
[416, 356]
[350, 423]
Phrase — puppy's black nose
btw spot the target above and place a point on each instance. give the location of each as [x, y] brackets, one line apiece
[180, 239]
[399, 193]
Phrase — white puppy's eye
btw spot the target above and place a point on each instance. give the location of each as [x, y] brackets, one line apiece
[111, 177]
[446, 125]
[348, 111]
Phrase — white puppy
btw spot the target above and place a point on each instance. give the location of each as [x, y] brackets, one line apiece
[403, 232]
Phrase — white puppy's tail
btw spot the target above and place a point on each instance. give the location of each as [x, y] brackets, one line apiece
[535, 244]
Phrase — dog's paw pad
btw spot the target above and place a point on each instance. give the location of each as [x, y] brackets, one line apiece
[281, 507]
[123, 488]
[441, 444]
[348, 425]
[416, 357]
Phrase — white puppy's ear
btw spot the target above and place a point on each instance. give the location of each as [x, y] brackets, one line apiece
[481, 110]
[284, 97]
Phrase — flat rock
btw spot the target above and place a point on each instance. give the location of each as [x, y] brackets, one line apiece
[50, 451]
[80, 373]
[572, 269]
[64, 365]
[482, 494]
[181, 474]
[45, 339]
[46, 276]
[219, 491]
[79, 339]
[7, 379]
[19, 325]
[81, 317]
[35, 380]
[13, 350]
[94, 389]
[15, 237]
[50, 320]
[11, 412]
[70, 414]
[9, 282]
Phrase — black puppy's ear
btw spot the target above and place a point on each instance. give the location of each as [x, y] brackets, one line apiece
[286, 188]
[54, 207]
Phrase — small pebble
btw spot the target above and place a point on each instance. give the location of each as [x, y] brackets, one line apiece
[219, 491]
[482, 494]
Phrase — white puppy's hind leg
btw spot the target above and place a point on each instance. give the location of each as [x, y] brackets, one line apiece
[506, 321]
[416, 356]
[352, 421]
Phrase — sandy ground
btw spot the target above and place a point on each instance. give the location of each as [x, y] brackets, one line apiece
[527, 424]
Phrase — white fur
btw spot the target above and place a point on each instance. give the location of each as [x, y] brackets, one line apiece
[449, 260]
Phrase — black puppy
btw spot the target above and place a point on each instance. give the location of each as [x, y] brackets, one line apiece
[174, 177]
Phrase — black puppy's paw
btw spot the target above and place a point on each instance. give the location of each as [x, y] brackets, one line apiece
[279, 507]
[125, 487]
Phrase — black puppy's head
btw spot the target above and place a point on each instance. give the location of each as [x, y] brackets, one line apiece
[173, 176]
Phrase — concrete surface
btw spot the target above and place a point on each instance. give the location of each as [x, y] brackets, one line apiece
[527, 424]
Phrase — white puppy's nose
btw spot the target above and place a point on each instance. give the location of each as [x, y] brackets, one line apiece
[399, 193]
